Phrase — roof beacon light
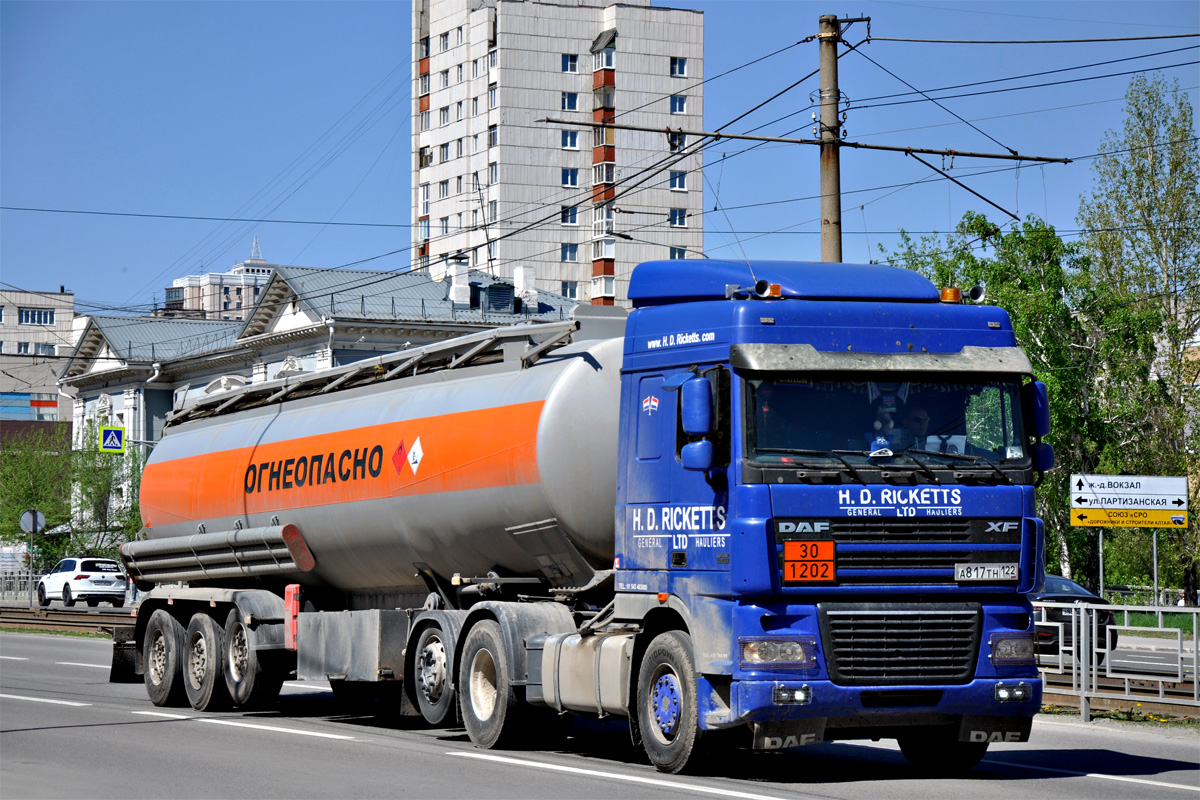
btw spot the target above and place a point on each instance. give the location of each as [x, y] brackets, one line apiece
[951, 295]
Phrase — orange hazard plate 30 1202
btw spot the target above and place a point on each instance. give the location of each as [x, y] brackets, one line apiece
[808, 561]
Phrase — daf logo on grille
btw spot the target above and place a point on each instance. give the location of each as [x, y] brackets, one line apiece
[1002, 527]
[803, 527]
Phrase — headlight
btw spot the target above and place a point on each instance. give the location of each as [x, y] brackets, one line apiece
[1011, 648]
[792, 653]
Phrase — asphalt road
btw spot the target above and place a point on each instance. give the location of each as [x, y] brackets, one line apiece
[66, 732]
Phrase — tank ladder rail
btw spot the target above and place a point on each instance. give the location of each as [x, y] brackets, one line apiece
[473, 349]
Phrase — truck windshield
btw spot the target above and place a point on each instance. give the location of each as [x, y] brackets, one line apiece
[856, 420]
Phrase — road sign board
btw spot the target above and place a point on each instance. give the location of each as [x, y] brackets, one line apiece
[33, 520]
[1129, 501]
[112, 439]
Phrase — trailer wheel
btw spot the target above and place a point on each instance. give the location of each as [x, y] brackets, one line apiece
[666, 702]
[163, 657]
[490, 708]
[434, 677]
[941, 756]
[204, 652]
[250, 682]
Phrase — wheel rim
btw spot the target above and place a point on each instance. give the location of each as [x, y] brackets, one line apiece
[432, 668]
[66, 594]
[158, 658]
[483, 685]
[239, 653]
[197, 660]
[665, 702]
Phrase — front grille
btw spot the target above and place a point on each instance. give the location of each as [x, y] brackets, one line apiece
[899, 643]
[890, 552]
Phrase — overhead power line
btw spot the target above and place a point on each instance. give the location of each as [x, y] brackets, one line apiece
[1037, 41]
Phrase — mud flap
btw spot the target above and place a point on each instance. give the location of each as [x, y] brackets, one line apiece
[977, 728]
[124, 667]
[786, 735]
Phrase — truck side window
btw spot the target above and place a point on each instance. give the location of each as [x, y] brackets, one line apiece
[719, 378]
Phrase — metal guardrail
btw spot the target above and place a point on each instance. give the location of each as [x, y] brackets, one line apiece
[18, 585]
[1149, 663]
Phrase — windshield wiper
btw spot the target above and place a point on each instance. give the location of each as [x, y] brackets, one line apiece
[964, 457]
[921, 467]
[820, 453]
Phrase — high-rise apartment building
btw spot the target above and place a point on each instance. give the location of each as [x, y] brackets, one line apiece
[498, 189]
[219, 295]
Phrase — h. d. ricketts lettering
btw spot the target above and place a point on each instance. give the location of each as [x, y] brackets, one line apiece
[314, 470]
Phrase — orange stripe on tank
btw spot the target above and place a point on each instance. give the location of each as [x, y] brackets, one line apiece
[452, 452]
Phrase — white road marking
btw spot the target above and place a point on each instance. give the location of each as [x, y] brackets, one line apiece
[666, 784]
[1121, 778]
[77, 664]
[43, 700]
[237, 724]
[13, 658]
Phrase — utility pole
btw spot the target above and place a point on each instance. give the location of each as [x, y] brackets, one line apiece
[831, 175]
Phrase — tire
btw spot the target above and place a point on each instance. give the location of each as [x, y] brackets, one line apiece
[68, 600]
[119, 602]
[666, 702]
[43, 601]
[92, 602]
[203, 655]
[163, 658]
[937, 756]
[250, 683]
[433, 676]
[490, 708]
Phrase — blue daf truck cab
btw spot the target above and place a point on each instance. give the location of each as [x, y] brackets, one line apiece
[826, 476]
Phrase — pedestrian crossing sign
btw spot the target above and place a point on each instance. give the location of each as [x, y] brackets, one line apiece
[112, 439]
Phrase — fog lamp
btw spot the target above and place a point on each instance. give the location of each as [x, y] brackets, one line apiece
[1011, 693]
[791, 695]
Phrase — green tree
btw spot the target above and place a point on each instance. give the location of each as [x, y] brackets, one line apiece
[35, 473]
[105, 498]
[1142, 234]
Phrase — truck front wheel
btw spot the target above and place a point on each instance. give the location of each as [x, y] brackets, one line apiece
[204, 651]
[435, 687]
[489, 704]
[251, 683]
[666, 702]
[163, 657]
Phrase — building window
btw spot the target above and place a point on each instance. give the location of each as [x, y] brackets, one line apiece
[604, 136]
[458, 111]
[570, 140]
[569, 252]
[426, 122]
[605, 97]
[570, 101]
[678, 181]
[678, 104]
[475, 218]
[425, 199]
[22, 348]
[605, 172]
[458, 185]
[423, 262]
[444, 189]
[445, 79]
[493, 135]
[35, 316]
[474, 181]
[570, 290]
[570, 62]
[475, 68]
[678, 253]
[444, 42]
[570, 176]
[424, 83]
[474, 106]
[604, 286]
[423, 229]
[445, 224]
[458, 147]
[475, 143]
[603, 218]
[444, 115]
[678, 218]
[491, 60]
[492, 97]
[569, 215]
[458, 35]
[676, 140]
[604, 59]
[604, 248]
[458, 73]
[458, 222]
[678, 67]
[423, 48]
[491, 211]
[493, 173]
[444, 152]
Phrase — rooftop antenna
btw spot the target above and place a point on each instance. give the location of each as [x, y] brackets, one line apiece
[255, 252]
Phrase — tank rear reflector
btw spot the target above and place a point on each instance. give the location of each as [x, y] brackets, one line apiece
[467, 450]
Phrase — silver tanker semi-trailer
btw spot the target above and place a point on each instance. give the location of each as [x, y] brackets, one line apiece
[570, 517]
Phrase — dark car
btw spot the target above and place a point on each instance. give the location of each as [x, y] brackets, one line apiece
[1063, 590]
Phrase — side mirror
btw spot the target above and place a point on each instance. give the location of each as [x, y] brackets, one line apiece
[696, 407]
[697, 455]
[1042, 457]
[1036, 403]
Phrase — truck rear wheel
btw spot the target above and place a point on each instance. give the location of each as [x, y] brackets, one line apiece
[941, 756]
[489, 704]
[163, 656]
[204, 651]
[250, 682]
[433, 675]
[666, 702]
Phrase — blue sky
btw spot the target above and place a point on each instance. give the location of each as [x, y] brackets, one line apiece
[299, 111]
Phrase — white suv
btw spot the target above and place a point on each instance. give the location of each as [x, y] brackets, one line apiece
[82, 578]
